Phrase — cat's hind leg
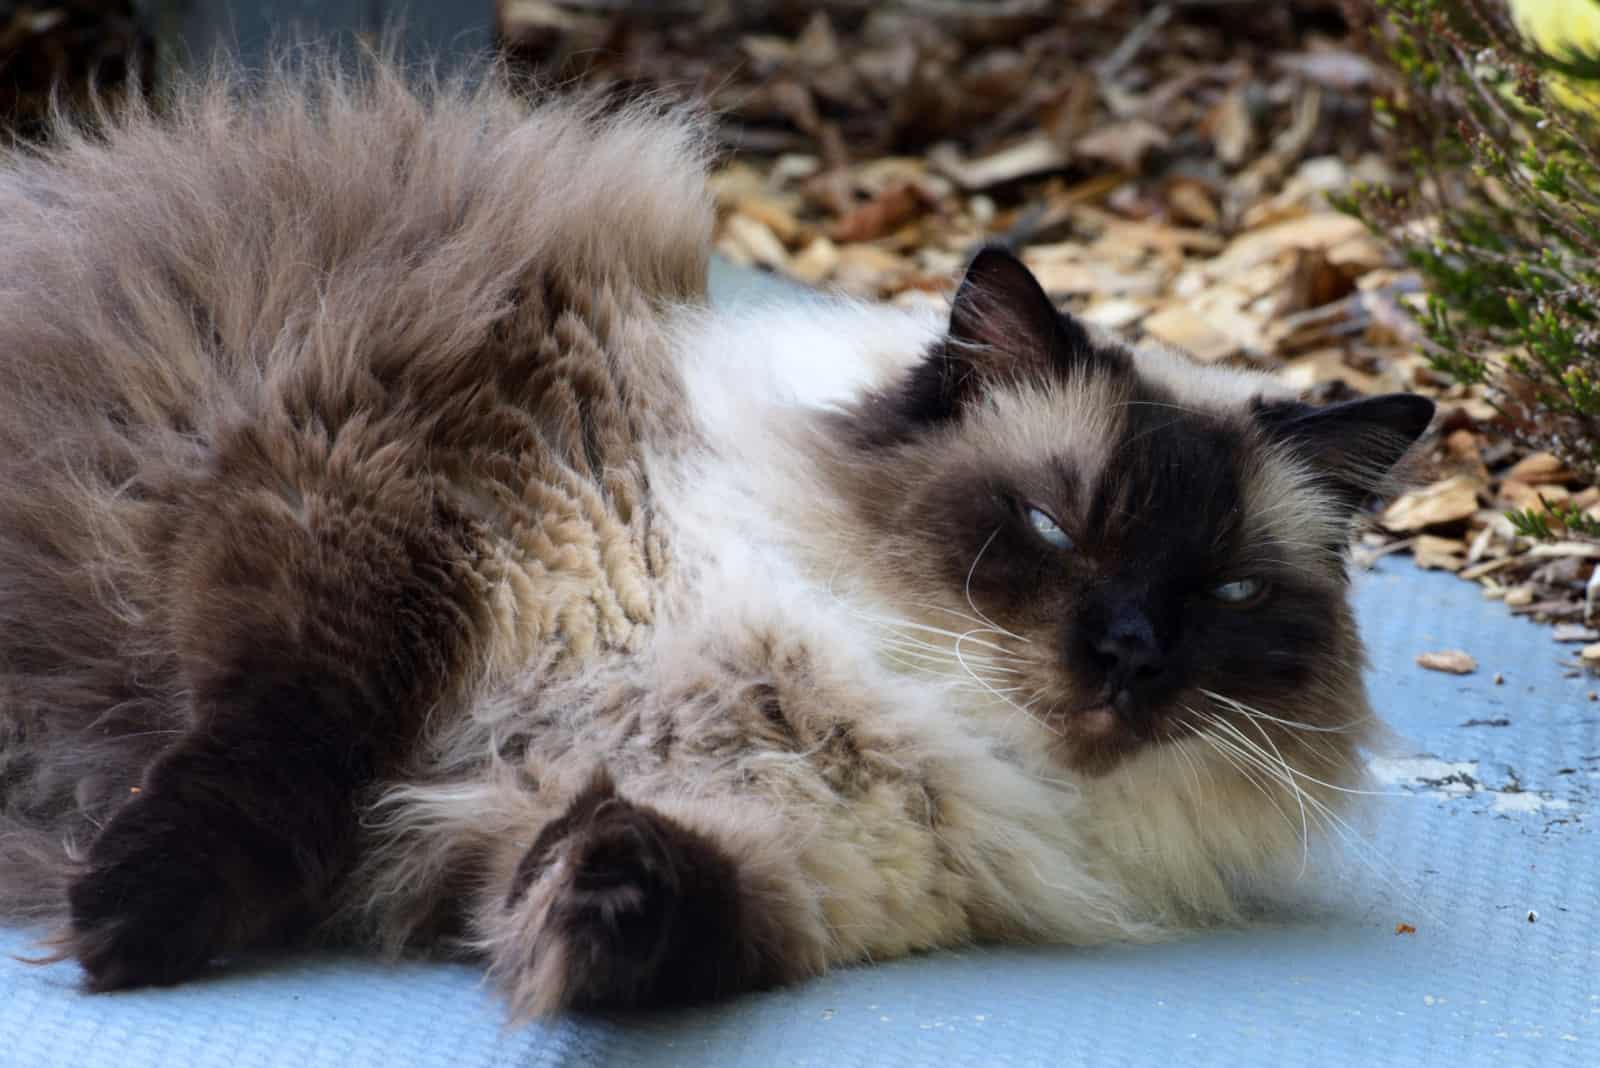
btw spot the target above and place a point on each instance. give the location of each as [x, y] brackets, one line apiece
[313, 629]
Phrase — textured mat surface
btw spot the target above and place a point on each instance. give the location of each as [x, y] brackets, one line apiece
[1491, 822]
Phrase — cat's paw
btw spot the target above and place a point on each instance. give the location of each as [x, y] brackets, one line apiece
[147, 911]
[633, 909]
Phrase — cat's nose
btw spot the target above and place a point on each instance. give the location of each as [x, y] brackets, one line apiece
[1132, 659]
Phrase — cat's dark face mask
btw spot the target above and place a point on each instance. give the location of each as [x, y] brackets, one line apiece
[1135, 557]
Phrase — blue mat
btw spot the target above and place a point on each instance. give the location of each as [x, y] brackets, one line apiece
[1489, 851]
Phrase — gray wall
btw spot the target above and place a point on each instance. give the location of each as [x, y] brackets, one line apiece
[444, 28]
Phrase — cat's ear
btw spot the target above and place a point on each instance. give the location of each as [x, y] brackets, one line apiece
[1001, 318]
[1003, 324]
[1003, 329]
[1354, 445]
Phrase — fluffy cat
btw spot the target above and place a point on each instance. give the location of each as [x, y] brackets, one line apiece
[394, 545]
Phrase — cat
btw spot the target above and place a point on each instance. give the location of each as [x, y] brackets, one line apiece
[396, 547]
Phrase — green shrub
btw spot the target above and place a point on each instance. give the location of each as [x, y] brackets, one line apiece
[1502, 220]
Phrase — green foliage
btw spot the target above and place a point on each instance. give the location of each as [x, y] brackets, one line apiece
[1502, 220]
[1552, 521]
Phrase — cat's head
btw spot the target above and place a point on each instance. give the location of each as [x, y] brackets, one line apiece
[1133, 548]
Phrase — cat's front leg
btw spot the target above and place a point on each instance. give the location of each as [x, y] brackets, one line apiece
[617, 904]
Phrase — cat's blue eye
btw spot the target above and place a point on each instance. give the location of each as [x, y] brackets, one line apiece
[1046, 527]
[1239, 591]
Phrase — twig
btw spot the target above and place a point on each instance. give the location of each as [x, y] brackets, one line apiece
[1108, 68]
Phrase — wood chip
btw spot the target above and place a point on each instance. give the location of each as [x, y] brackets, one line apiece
[1179, 326]
[1537, 469]
[1036, 155]
[1193, 202]
[1451, 501]
[771, 214]
[1115, 314]
[1451, 661]
[816, 262]
[756, 240]
[1318, 231]
[1523, 496]
[1575, 632]
[1438, 554]
[1562, 550]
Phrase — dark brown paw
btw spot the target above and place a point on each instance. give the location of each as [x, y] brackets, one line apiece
[637, 909]
[147, 912]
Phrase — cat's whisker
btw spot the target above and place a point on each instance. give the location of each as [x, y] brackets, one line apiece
[967, 636]
[958, 679]
[1247, 749]
[1299, 796]
[1313, 739]
[967, 586]
[1192, 765]
[1217, 746]
[1330, 821]
[891, 624]
[1254, 714]
[1024, 709]
[945, 655]
[913, 641]
[971, 619]
[1251, 710]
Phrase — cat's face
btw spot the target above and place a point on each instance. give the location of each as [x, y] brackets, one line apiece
[1133, 549]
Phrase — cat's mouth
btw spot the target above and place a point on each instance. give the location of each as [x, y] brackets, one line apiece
[1099, 734]
[1097, 720]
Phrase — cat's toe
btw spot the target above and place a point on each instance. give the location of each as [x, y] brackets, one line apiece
[145, 912]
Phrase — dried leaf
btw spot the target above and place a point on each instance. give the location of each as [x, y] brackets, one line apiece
[1232, 127]
[893, 207]
[1122, 144]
